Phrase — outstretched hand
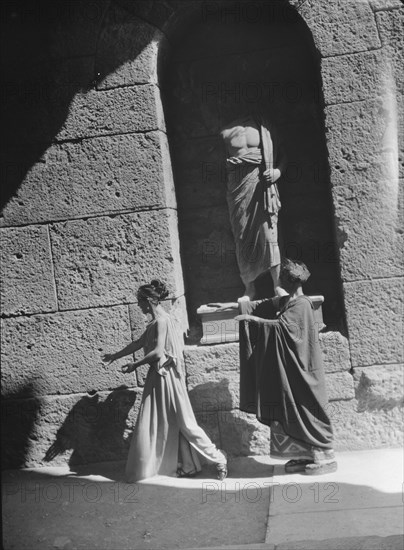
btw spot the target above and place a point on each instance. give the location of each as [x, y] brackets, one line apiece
[109, 358]
[129, 367]
[245, 317]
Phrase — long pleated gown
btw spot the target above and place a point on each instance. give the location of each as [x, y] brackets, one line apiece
[166, 433]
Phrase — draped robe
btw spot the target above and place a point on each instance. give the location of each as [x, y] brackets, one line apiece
[282, 374]
[254, 205]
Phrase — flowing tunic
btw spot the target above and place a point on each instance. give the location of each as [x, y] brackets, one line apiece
[282, 378]
[166, 433]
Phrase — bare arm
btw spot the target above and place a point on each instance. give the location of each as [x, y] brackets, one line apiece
[128, 350]
[258, 320]
[158, 351]
[222, 306]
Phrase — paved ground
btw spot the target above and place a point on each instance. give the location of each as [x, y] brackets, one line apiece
[359, 507]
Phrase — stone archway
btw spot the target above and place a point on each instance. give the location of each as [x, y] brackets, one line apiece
[240, 57]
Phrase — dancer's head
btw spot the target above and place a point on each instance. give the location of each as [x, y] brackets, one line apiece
[149, 296]
[293, 274]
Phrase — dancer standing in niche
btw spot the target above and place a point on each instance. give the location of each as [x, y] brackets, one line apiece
[166, 436]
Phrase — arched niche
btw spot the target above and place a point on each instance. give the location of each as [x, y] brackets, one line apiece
[235, 58]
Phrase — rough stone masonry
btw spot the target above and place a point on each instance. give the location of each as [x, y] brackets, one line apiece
[92, 198]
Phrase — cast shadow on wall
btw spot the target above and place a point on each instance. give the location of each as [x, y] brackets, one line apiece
[95, 431]
[215, 406]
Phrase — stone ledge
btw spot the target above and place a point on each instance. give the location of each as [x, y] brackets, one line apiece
[379, 387]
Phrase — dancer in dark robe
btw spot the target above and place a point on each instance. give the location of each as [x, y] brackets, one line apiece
[282, 375]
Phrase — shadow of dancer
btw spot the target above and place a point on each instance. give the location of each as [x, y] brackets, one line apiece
[96, 430]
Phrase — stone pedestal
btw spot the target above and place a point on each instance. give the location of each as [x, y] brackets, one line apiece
[318, 310]
[220, 327]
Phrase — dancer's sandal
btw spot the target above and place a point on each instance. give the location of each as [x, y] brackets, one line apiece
[296, 466]
[182, 473]
[222, 469]
[314, 469]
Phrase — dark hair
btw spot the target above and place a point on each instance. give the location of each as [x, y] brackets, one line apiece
[295, 272]
[155, 291]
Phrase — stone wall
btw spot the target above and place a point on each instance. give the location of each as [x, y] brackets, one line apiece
[89, 213]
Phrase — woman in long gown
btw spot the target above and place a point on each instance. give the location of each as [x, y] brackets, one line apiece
[166, 437]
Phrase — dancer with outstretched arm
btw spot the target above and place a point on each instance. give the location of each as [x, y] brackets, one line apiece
[166, 437]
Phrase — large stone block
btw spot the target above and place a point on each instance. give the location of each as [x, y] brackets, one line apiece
[341, 27]
[77, 429]
[118, 111]
[369, 249]
[379, 387]
[69, 106]
[242, 434]
[26, 267]
[335, 350]
[391, 30]
[62, 352]
[102, 261]
[365, 430]
[127, 50]
[352, 77]
[213, 377]
[340, 385]
[362, 141]
[391, 25]
[97, 176]
[374, 316]
[62, 103]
